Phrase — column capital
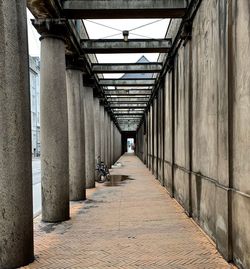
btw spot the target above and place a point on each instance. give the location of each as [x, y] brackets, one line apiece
[88, 81]
[186, 33]
[98, 93]
[170, 63]
[75, 62]
[102, 102]
[55, 28]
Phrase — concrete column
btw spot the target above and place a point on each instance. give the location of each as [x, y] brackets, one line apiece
[54, 131]
[102, 132]
[89, 131]
[97, 128]
[16, 217]
[109, 140]
[76, 134]
[112, 142]
[106, 137]
[120, 143]
[115, 143]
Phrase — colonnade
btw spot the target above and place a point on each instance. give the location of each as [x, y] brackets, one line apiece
[75, 129]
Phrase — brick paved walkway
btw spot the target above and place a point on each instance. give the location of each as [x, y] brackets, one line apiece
[133, 224]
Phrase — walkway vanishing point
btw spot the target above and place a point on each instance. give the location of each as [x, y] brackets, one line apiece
[129, 223]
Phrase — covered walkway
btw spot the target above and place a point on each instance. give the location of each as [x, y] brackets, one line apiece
[130, 222]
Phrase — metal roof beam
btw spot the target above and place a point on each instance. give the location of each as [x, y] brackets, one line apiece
[128, 106]
[131, 46]
[127, 68]
[130, 92]
[128, 95]
[127, 102]
[129, 110]
[128, 118]
[132, 98]
[142, 96]
[123, 9]
[126, 82]
[126, 114]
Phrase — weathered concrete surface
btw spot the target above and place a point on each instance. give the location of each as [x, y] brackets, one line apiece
[210, 144]
[111, 142]
[139, 144]
[54, 131]
[76, 134]
[89, 131]
[117, 144]
[97, 130]
[16, 218]
[206, 132]
[181, 127]
[240, 102]
[168, 134]
[155, 138]
[102, 133]
[151, 152]
[105, 133]
[138, 224]
[160, 136]
[145, 148]
[148, 140]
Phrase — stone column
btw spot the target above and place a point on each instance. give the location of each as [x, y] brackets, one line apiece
[54, 124]
[89, 131]
[106, 137]
[16, 216]
[102, 132]
[97, 128]
[112, 142]
[117, 144]
[76, 132]
[109, 140]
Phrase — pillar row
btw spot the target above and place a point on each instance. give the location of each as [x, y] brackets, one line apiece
[54, 131]
[112, 142]
[89, 133]
[102, 126]
[109, 140]
[76, 133]
[98, 131]
[16, 216]
[105, 130]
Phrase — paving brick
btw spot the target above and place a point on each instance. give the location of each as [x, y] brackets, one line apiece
[133, 224]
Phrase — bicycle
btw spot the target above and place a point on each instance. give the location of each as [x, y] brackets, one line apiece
[103, 171]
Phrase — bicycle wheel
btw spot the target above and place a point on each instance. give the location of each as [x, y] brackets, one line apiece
[108, 177]
[101, 179]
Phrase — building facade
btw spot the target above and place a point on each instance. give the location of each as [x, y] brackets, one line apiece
[34, 70]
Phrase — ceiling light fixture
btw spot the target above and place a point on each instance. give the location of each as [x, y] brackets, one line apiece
[125, 35]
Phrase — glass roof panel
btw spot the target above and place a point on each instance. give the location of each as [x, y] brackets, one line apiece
[138, 29]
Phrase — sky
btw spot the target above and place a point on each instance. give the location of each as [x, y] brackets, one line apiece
[33, 37]
[96, 30]
[102, 29]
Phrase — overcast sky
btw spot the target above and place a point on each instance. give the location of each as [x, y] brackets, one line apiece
[99, 29]
[96, 31]
[34, 43]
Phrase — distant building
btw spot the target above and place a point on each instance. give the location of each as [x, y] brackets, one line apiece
[128, 126]
[34, 69]
[143, 59]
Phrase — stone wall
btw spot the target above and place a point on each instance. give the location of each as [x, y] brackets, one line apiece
[206, 146]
